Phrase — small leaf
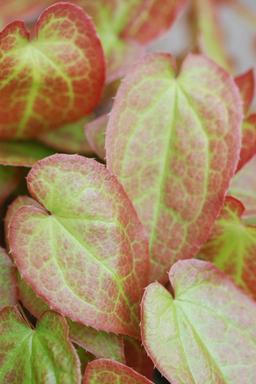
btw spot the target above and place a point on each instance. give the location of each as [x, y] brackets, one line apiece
[158, 120]
[110, 372]
[83, 250]
[95, 132]
[248, 149]
[232, 246]
[205, 332]
[243, 187]
[22, 154]
[7, 281]
[52, 76]
[43, 355]
[9, 180]
[246, 85]
[69, 138]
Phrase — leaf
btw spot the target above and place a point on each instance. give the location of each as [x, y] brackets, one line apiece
[137, 358]
[208, 32]
[248, 149]
[14, 9]
[158, 120]
[7, 281]
[204, 332]
[69, 138]
[9, 179]
[84, 250]
[43, 355]
[243, 187]
[95, 132]
[246, 85]
[61, 56]
[110, 372]
[22, 154]
[232, 246]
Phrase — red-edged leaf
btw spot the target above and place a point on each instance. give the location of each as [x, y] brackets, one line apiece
[137, 358]
[22, 154]
[104, 371]
[248, 149]
[9, 180]
[246, 85]
[51, 76]
[243, 187]
[84, 250]
[95, 132]
[69, 138]
[7, 281]
[173, 141]
[232, 246]
[205, 332]
[41, 355]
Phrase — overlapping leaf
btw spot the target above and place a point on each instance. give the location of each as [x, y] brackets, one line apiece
[7, 281]
[52, 76]
[137, 358]
[69, 138]
[43, 355]
[205, 332]
[243, 187]
[95, 132]
[173, 141]
[83, 250]
[110, 372]
[232, 246]
[246, 85]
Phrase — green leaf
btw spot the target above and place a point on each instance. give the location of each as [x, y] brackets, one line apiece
[41, 355]
[53, 75]
[202, 333]
[80, 246]
[23, 154]
[173, 141]
[7, 281]
[110, 372]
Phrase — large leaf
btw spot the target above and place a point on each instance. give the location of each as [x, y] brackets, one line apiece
[70, 138]
[83, 250]
[7, 281]
[23, 154]
[110, 372]
[204, 332]
[243, 187]
[52, 76]
[9, 179]
[173, 141]
[232, 246]
[43, 355]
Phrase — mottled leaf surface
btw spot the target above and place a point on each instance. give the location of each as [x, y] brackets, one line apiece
[95, 132]
[42, 355]
[84, 250]
[158, 120]
[69, 138]
[243, 187]
[23, 154]
[7, 281]
[204, 333]
[232, 246]
[51, 76]
[110, 372]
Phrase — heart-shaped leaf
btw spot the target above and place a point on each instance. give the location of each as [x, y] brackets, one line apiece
[83, 250]
[22, 154]
[69, 138]
[173, 141]
[51, 76]
[232, 246]
[9, 179]
[243, 187]
[44, 355]
[110, 372]
[7, 281]
[204, 332]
